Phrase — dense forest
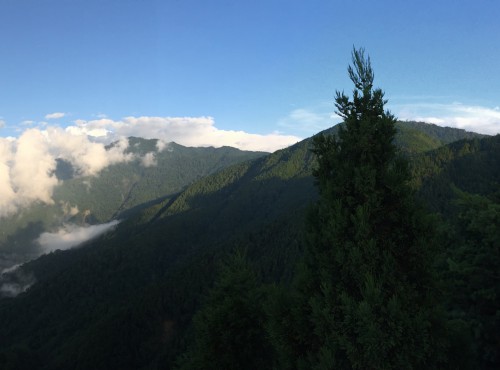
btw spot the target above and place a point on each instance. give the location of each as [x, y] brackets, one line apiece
[374, 244]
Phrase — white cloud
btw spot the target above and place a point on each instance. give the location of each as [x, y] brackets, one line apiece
[188, 131]
[32, 172]
[161, 145]
[468, 117]
[83, 130]
[309, 121]
[2, 123]
[55, 115]
[87, 157]
[8, 202]
[149, 160]
[28, 163]
[68, 209]
[72, 235]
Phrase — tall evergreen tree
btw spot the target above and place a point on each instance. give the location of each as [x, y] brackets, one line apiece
[366, 289]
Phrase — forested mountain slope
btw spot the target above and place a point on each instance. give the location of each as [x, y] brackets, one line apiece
[150, 176]
[126, 299]
[445, 135]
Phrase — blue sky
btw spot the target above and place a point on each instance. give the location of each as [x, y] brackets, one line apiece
[264, 68]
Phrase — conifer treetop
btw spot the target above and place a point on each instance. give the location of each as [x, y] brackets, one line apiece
[365, 98]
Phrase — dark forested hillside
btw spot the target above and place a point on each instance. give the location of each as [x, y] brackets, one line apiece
[126, 300]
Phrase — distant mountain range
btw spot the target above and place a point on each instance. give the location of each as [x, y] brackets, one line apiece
[125, 299]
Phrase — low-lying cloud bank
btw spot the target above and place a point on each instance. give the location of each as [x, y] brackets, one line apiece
[70, 236]
[14, 279]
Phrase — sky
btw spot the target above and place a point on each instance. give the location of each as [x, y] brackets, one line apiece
[257, 75]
